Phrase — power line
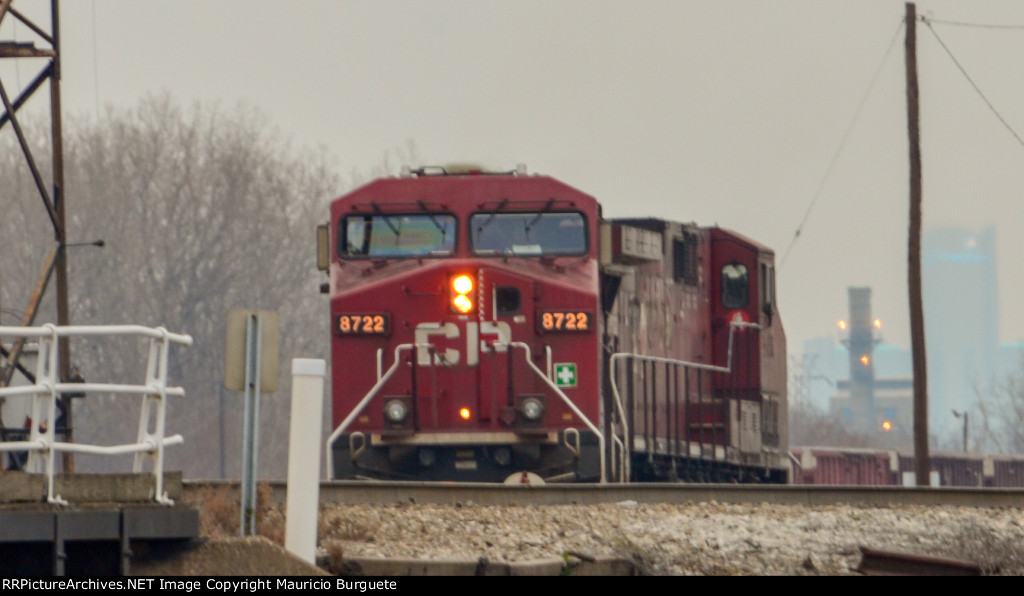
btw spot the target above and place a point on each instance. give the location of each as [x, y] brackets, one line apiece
[842, 144]
[856, 116]
[977, 25]
[971, 81]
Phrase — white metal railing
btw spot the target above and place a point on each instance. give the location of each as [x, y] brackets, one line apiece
[42, 445]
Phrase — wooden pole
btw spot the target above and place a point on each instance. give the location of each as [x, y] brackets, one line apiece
[60, 231]
[922, 461]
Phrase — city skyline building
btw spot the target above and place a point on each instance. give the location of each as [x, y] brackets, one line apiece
[961, 310]
[964, 357]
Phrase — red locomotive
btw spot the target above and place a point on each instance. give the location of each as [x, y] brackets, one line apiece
[492, 326]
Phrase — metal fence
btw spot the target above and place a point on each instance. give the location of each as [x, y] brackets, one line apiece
[41, 444]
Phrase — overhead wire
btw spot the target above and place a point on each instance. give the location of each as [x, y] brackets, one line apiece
[971, 81]
[926, 20]
[842, 144]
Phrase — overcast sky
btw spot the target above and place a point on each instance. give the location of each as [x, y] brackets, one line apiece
[765, 117]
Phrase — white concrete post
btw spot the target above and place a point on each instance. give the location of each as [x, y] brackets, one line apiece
[303, 501]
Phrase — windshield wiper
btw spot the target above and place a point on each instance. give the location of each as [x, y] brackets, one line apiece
[540, 214]
[441, 228]
[488, 221]
[387, 220]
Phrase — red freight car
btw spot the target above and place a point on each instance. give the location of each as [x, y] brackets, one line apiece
[845, 466]
[493, 326]
[883, 467]
[951, 468]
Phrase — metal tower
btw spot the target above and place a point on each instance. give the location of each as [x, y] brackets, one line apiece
[860, 343]
[43, 50]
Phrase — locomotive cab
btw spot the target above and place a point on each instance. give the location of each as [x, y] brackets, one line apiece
[748, 335]
[465, 338]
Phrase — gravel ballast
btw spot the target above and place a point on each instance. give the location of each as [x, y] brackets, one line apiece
[690, 539]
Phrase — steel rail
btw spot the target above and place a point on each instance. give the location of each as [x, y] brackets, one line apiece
[444, 493]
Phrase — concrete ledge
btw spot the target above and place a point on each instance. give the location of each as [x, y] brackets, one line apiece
[594, 566]
[22, 487]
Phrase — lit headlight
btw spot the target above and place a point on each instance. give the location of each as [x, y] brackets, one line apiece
[532, 408]
[395, 411]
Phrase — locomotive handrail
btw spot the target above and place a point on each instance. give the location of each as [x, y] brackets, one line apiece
[568, 402]
[42, 445]
[612, 361]
[362, 405]
[701, 365]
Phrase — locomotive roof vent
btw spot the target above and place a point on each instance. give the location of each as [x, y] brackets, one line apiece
[460, 169]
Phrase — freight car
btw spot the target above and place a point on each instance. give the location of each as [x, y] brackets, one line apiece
[495, 327]
[845, 466]
[880, 467]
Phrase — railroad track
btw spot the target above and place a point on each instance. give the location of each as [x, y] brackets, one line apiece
[441, 493]
[412, 551]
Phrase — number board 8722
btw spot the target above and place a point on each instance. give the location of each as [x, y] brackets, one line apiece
[553, 321]
[369, 323]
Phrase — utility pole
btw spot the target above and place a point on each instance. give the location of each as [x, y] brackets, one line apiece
[922, 461]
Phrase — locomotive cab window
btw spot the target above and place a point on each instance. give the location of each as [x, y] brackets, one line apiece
[397, 235]
[528, 234]
[735, 280]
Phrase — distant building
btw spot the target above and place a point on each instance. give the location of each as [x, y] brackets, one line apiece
[964, 357]
[961, 313]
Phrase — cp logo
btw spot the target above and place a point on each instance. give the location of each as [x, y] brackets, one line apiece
[480, 337]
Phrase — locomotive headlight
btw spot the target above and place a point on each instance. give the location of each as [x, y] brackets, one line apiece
[462, 303]
[395, 411]
[532, 408]
[462, 284]
[461, 299]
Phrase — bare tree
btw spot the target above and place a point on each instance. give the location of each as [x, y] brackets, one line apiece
[26, 233]
[813, 427]
[1000, 416]
[202, 210]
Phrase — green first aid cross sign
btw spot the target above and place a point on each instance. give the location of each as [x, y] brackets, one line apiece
[565, 374]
